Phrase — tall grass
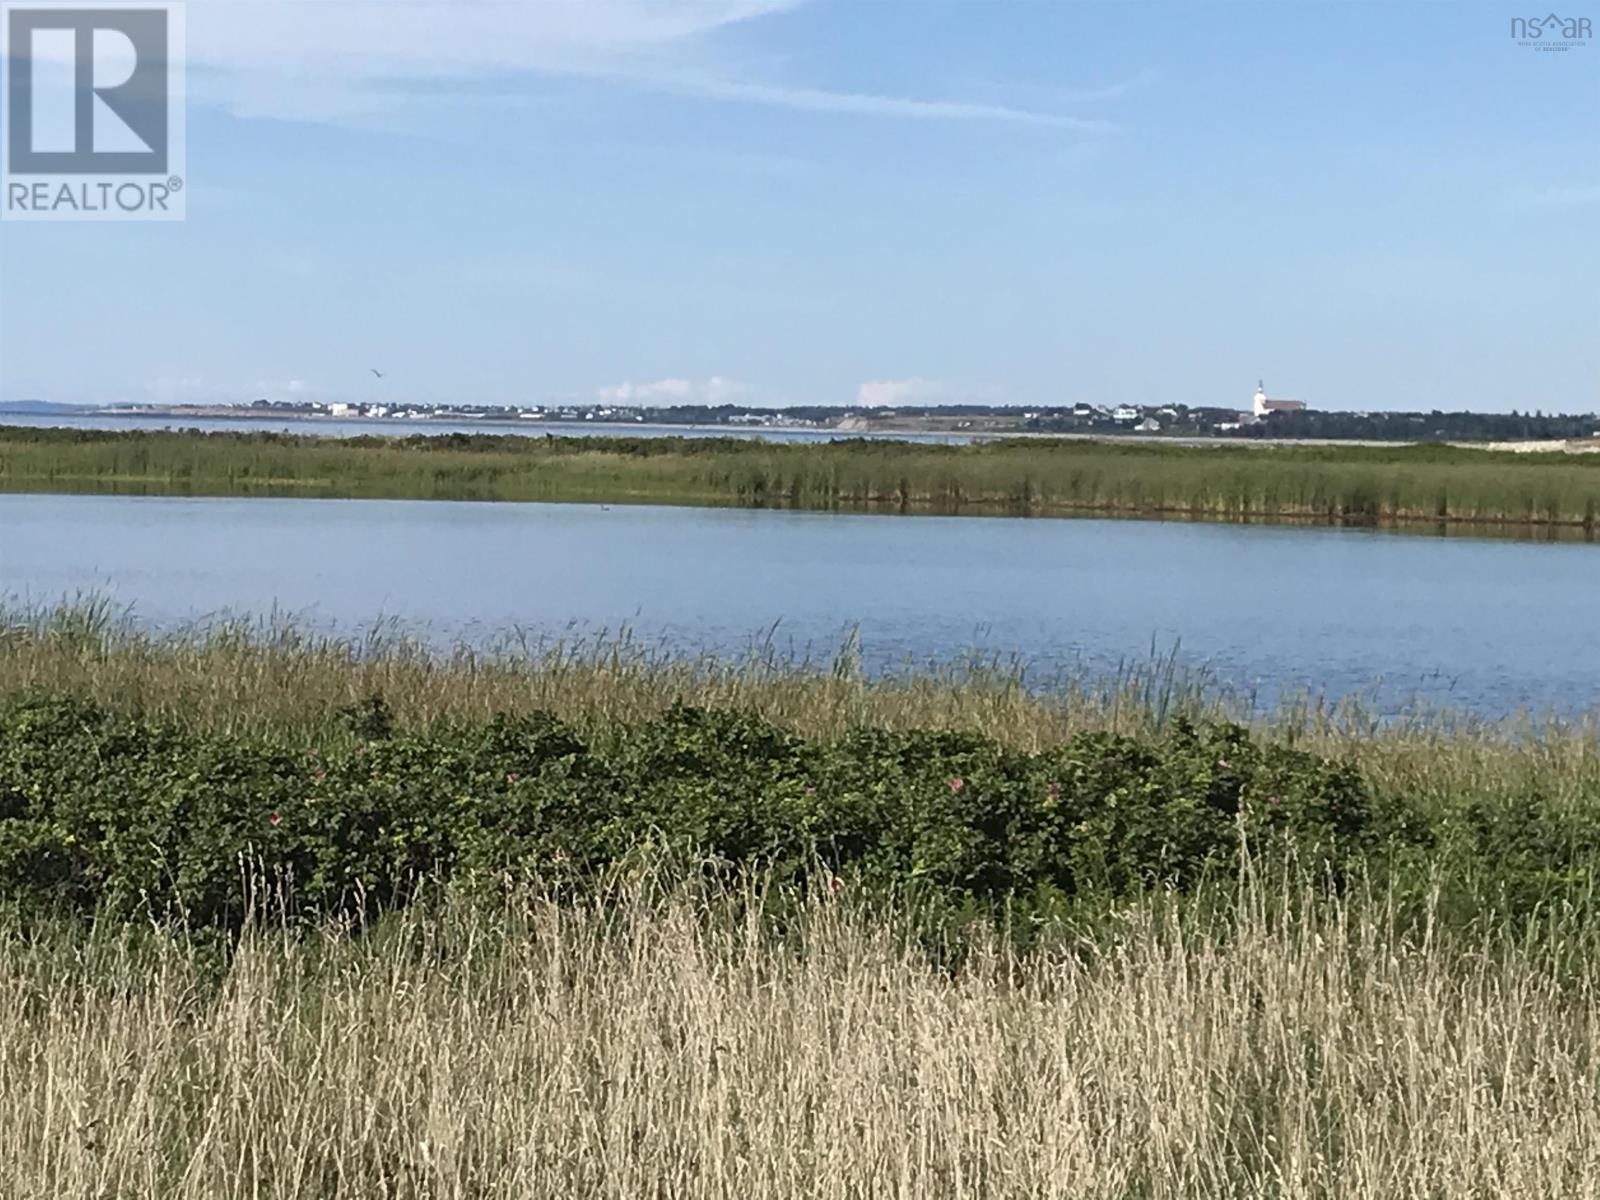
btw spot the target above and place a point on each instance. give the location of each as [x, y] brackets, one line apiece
[681, 1044]
[1345, 484]
[248, 673]
[663, 1038]
[254, 677]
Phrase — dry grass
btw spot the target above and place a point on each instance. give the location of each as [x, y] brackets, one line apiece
[244, 673]
[243, 677]
[668, 1046]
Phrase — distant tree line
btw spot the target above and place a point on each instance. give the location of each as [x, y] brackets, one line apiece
[1424, 427]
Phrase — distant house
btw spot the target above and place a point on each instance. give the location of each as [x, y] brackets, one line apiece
[1125, 412]
[1265, 408]
[341, 410]
[1148, 425]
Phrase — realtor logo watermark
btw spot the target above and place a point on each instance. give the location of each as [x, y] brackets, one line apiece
[93, 98]
[1551, 32]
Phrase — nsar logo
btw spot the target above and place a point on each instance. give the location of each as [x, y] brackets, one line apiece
[1551, 32]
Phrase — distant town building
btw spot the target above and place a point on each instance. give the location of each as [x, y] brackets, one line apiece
[340, 410]
[1264, 407]
[1148, 425]
[1125, 412]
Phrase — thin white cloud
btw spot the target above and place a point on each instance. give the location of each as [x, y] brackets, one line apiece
[862, 104]
[887, 393]
[1138, 81]
[716, 390]
[662, 390]
[268, 58]
[199, 388]
[430, 38]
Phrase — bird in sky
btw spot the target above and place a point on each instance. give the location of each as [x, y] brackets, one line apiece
[376, 372]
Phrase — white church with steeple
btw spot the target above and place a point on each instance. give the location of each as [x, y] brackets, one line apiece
[1265, 407]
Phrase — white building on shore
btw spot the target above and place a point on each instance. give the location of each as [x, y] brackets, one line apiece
[1265, 407]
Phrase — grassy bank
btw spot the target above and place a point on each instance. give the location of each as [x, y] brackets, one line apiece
[245, 678]
[730, 929]
[1342, 485]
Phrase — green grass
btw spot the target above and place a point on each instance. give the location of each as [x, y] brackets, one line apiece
[1341, 485]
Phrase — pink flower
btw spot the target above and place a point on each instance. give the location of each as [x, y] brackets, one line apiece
[1053, 791]
[957, 784]
[1224, 764]
[319, 776]
[512, 777]
[1275, 801]
[810, 791]
[274, 820]
[835, 885]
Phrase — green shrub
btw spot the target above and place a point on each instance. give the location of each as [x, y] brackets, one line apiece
[128, 815]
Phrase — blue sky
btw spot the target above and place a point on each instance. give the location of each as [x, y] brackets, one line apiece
[837, 201]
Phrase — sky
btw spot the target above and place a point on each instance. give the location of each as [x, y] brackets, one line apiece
[774, 202]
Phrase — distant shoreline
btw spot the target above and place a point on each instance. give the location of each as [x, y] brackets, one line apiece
[884, 431]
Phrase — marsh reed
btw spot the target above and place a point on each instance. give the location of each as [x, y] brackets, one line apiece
[1356, 484]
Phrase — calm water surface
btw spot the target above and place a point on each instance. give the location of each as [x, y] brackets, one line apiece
[1486, 626]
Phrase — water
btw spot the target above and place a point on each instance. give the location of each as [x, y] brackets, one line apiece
[341, 427]
[1482, 626]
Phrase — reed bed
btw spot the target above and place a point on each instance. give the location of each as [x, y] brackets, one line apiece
[1340, 485]
[244, 675]
[667, 1042]
[234, 674]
